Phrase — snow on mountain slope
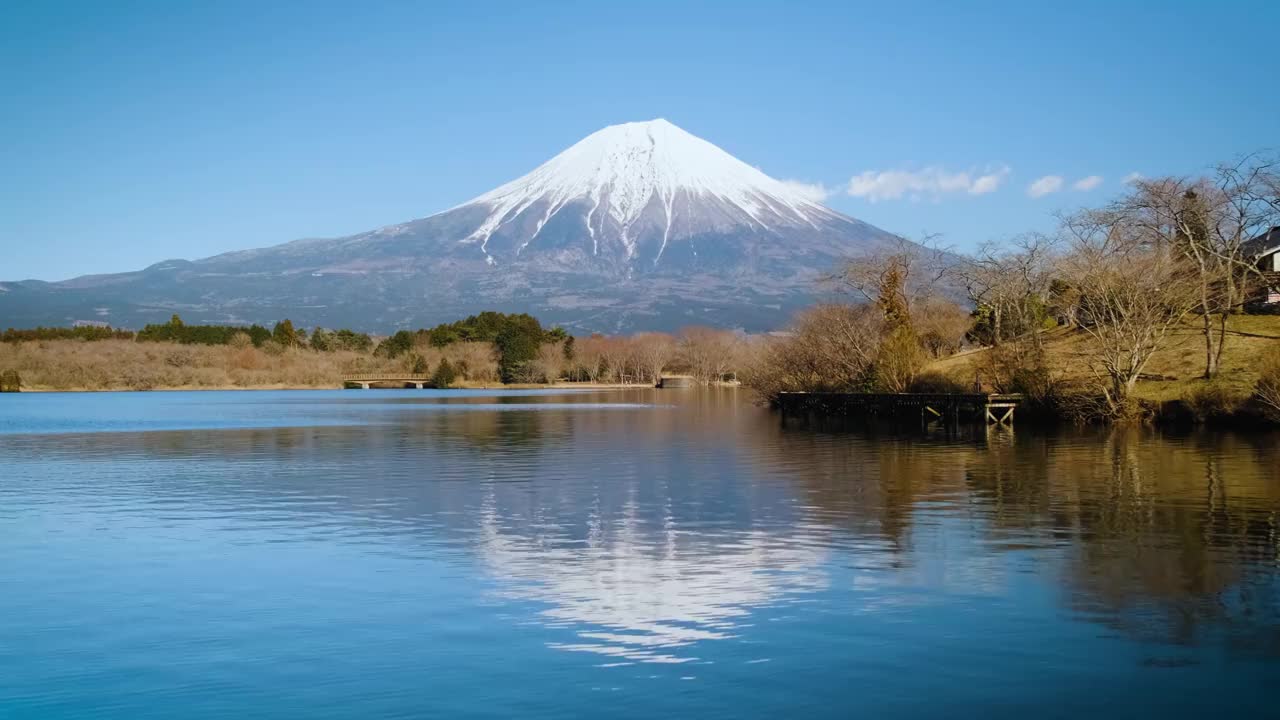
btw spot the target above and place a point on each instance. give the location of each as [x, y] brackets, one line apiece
[624, 170]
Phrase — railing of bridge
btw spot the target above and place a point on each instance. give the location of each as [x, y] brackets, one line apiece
[387, 377]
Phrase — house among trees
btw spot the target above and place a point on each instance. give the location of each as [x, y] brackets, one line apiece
[1265, 251]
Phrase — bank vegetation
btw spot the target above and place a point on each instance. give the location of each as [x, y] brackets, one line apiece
[1130, 310]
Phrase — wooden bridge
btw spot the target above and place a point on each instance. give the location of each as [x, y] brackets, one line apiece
[404, 380]
[948, 408]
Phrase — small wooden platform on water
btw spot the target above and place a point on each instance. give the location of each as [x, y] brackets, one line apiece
[949, 408]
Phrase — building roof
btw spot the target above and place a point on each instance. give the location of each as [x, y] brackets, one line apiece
[1265, 244]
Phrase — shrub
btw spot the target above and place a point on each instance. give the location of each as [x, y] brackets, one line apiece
[1268, 388]
[899, 360]
[10, 381]
[1020, 367]
[1213, 401]
[936, 382]
[829, 348]
[179, 357]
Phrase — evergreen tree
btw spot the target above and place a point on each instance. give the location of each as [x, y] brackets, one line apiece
[396, 345]
[517, 343]
[444, 375]
[285, 334]
[322, 340]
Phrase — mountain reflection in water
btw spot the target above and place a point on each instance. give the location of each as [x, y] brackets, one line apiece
[439, 538]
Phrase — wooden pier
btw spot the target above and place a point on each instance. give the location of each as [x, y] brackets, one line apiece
[397, 380]
[947, 408]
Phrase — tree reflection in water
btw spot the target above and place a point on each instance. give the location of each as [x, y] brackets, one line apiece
[648, 523]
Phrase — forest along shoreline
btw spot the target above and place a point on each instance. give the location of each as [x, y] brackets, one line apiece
[1162, 305]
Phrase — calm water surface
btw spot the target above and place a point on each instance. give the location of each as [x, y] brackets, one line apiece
[624, 554]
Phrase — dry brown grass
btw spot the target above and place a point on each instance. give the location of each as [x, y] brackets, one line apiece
[128, 365]
[1180, 361]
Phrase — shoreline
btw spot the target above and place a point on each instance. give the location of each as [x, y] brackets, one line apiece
[338, 386]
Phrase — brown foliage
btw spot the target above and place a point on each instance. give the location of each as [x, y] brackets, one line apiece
[709, 354]
[651, 354]
[829, 348]
[898, 360]
[941, 326]
[547, 367]
[471, 361]
[128, 365]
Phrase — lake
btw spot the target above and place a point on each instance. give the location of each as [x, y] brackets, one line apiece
[626, 554]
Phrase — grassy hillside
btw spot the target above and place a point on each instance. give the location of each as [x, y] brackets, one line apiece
[1182, 358]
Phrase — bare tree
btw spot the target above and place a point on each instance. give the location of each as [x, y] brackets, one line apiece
[1129, 293]
[589, 357]
[547, 366]
[1209, 221]
[709, 353]
[1009, 285]
[652, 353]
[896, 277]
[827, 348]
[615, 353]
[941, 326]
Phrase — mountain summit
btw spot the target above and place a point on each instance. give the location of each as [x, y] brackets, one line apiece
[640, 186]
[637, 226]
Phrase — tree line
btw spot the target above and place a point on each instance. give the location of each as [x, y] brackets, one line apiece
[488, 347]
[517, 348]
[87, 333]
[283, 335]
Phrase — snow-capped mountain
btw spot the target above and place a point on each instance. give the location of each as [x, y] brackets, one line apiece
[637, 226]
[639, 184]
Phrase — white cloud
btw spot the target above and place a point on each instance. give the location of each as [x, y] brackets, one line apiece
[931, 182]
[1088, 183]
[816, 192]
[984, 184]
[1131, 178]
[1045, 185]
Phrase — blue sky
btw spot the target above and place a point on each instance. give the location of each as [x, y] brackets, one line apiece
[139, 131]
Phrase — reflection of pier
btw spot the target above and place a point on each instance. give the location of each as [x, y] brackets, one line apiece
[949, 408]
[396, 380]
